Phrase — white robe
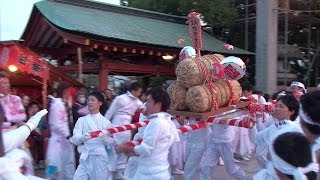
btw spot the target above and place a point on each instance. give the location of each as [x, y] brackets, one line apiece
[220, 145]
[120, 112]
[263, 139]
[133, 161]
[242, 144]
[60, 152]
[196, 144]
[10, 165]
[158, 136]
[266, 174]
[176, 152]
[93, 154]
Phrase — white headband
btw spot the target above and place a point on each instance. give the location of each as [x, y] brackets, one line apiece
[298, 173]
[305, 118]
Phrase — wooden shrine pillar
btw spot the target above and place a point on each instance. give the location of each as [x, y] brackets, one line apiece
[80, 65]
[103, 78]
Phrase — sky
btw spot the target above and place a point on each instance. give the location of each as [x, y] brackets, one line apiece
[14, 16]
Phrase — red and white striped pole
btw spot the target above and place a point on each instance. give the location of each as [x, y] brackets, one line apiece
[245, 122]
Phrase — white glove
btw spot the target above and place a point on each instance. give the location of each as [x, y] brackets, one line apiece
[7, 165]
[105, 135]
[85, 137]
[35, 119]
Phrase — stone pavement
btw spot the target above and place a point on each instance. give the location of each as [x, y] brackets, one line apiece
[249, 167]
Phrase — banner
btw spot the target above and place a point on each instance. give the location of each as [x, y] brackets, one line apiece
[25, 60]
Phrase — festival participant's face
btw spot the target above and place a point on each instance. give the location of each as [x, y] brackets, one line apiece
[152, 107]
[4, 86]
[137, 92]
[294, 88]
[246, 93]
[93, 104]
[281, 111]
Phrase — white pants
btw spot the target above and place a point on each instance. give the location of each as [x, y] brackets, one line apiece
[210, 159]
[60, 158]
[261, 155]
[132, 166]
[94, 167]
[195, 146]
[120, 159]
[163, 175]
[176, 154]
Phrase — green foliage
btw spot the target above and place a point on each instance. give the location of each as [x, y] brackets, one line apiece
[219, 13]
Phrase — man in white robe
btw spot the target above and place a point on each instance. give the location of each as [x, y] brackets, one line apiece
[120, 112]
[196, 144]
[94, 159]
[60, 152]
[158, 136]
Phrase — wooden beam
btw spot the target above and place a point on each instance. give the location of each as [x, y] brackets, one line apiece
[141, 68]
[43, 28]
[54, 40]
[35, 25]
[86, 68]
[47, 36]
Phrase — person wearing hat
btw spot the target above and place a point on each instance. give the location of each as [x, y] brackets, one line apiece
[297, 89]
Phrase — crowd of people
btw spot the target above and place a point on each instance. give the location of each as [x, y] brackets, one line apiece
[59, 140]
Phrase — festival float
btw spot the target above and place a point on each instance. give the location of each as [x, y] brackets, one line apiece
[206, 89]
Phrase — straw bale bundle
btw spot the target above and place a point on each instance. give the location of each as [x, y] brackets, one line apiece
[190, 74]
[198, 98]
[177, 95]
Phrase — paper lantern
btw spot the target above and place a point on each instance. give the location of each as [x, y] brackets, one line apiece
[187, 52]
[234, 68]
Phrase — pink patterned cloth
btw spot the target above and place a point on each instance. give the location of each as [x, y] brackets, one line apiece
[13, 108]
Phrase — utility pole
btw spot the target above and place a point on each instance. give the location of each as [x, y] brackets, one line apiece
[309, 45]
[286, 67]
[266, 45]
[246, 27]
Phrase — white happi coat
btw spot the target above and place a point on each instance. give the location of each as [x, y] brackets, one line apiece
[93, 154]
[267, 136]
[263, 139]
[10, 164]
[266, 174]
[13, 109]
[158, 136]
[60, 152]
[120, 112]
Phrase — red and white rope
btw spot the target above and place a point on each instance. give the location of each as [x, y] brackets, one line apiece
[120, 128]
[245, 122]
